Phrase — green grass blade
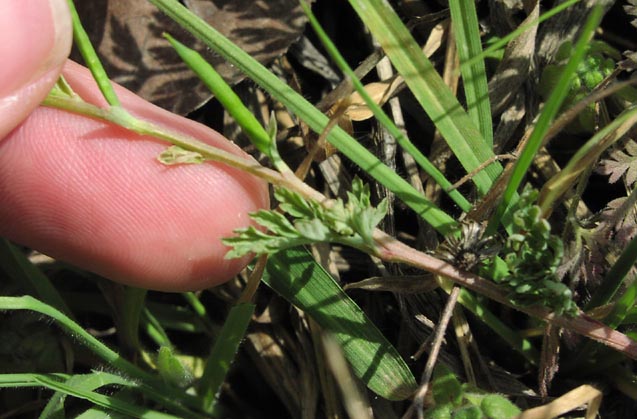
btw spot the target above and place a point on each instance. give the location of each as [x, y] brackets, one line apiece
[201, 313]
[585, 157]
[382, 117]
[309, 114]
[513, 338]
[129, 312]
[110, 357]
[53, 382]
[551, 108]
[464, 20]
[297, 277]
[97, 347]
[23, 272]
[231, 102]
[223, 352]
[435, 97]
[154, 329]
[89, 382]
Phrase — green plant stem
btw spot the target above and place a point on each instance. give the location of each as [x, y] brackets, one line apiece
[464, 20]
[130, 312]
[87, 51]
[223, 352]
[120, 117]
[155, 330]
[392, 250]
[231, 102]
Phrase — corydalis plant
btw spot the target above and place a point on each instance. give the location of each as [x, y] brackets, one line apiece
[350, 223]
[532, 255]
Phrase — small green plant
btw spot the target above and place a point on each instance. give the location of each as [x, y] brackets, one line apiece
[532, 255]
[598, 64]
[454, 400]
[350, 223]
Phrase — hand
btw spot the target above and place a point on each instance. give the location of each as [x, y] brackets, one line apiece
[94, 194]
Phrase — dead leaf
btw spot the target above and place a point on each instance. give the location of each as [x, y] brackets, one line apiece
[584, 394]
[128, 37]
[514, 68]
[416, 284]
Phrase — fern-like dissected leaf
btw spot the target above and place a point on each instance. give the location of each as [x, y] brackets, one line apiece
[621, 162]
[350, 223]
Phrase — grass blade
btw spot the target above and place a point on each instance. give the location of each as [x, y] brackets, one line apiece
[112, 358]
[54, 382]
[21, 270]
[223, 352]
[97, 347]
[382, 117]
[432, 93]
[584, 158]
[464, 20]
[296, 276]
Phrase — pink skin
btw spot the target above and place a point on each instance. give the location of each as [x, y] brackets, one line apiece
[94, 194]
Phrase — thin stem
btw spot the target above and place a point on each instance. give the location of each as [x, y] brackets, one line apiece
[392, 250]
[419, 398]
[120, 117]
[254, 279]
[90, 58]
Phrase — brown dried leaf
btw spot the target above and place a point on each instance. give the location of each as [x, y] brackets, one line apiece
[356, 108]
[515, 66]
[128, 37]
[416, 284]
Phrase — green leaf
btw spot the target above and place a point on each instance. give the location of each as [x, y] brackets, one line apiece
[496, 406]
[468, 412]
[352, 224]
[297, 277]
[445, 387]
[171, 369]
[223, 352]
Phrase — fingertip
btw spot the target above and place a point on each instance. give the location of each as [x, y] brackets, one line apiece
[94, 195]
[37, 38]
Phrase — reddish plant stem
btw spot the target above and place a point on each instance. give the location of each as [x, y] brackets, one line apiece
[392, 250]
